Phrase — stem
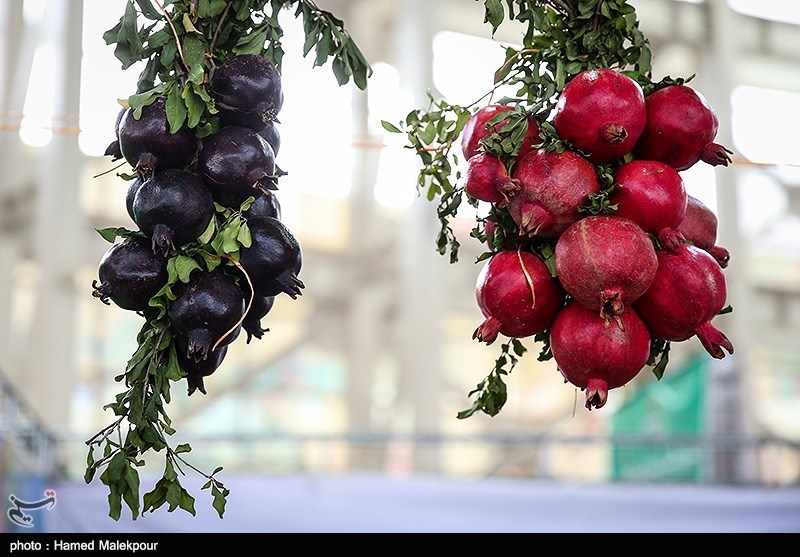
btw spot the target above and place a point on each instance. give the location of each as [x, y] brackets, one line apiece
[105, 432]
[175, 33]
[216, 33]
[249, 303]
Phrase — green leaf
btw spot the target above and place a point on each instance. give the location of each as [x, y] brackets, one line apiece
[390, 127]
[111, 234]
[184, 266]
[176, 109]
[210, 8]
[220, 499]
[494, 13]
[184, 448]
[148, 10]
[253, 42]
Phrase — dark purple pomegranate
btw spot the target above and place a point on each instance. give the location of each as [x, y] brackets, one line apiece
[688, 291]
[680, 131]
[247, 91]
[700, 226]
[173, 207]
[606, 263]
[148, 145]
[651, 194]
[207, 313]
[130, 274]
[477, 128]
[602, 113]
[517, 296]
[596, 356]
[485, 177]
[274, 258]
[236, 163]
[548, 191]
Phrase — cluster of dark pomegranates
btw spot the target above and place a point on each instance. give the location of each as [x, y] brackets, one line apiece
[180, 183]
[644, 269]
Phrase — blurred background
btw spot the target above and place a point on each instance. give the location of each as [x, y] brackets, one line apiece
[361, 378]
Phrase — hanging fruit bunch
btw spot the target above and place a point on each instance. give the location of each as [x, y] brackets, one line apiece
[594, 247]
[210, 254]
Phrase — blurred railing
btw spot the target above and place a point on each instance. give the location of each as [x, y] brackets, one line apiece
[760, 460]
[34, 446]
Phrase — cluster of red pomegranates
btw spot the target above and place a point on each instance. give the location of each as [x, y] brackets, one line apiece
[180, 184]
[647, 267]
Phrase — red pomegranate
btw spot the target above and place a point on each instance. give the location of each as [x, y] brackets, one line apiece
[596, 356]
[605, 262]
[651, 194]
[485, 177]
[517, 296]
[687, 292]
[700, 228]
[551, 187]
[602, 113]
[476, 129]
[681, 127]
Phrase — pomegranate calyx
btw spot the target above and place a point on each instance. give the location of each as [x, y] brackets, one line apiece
[670, 239]
[509, 188]
[611, 306]
[162, 239]
[534, 217]
[488, 330]
[596, 393]
[614, 134]
[722, 255]
[713, 340]
[101, 291]
[715, 154]
[146, 165]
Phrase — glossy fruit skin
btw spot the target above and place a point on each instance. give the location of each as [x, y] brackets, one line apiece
[606, 263]
[515, 302]
[651, 194]
[602, 113]
[688, 291]
[274, 259]
[173, 207]
[475, 130]
[699, 227]
[264, 205]
[549, 190]
[130, 274]
[485, 177]
[211, 305]
[595, 355]
[680, 131]
[147, 144]
[236, 163]
[247, 90]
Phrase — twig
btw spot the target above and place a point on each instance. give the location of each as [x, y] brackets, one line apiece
[249, 303]
[216, 32]
[175, 33]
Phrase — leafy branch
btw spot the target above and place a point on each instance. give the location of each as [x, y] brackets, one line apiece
[183, 42]
[179, 44]
[561, 39]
